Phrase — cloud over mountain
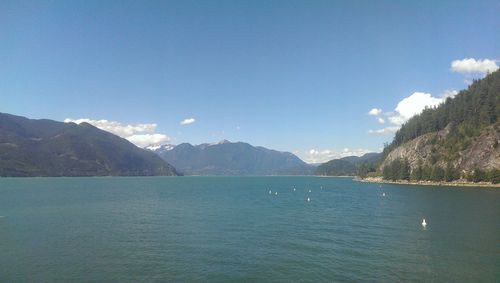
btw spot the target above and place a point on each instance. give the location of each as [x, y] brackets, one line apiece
[321, 156]
[140, 134]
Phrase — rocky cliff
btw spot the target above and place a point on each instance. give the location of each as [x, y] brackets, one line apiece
[482, 152]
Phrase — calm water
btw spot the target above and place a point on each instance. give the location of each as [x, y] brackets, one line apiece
[229, 229]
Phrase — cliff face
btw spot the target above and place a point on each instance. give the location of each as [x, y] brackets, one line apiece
[483, 152]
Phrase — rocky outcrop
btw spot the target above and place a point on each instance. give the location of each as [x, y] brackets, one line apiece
[482, 153]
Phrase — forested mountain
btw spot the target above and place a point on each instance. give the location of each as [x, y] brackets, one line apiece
[349, 166]
[457, 139]
[49, 148]
[228, 158]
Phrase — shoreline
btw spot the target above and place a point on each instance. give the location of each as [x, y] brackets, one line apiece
[342, 176]
[427, 183]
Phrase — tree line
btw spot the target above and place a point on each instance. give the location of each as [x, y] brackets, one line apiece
[400, 169]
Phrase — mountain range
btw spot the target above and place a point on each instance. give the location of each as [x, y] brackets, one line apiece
[232, 158]
[346, 166]
[30, 147]
[44, 147]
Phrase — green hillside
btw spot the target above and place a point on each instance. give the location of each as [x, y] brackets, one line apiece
[48, 148]
[349, 166]
[457, 139]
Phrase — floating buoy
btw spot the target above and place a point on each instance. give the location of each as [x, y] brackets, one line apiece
[270, 192]
[308, 199]
[275, 193]
[294, 189]
[383, 194]
[424, 224]
[309, 190]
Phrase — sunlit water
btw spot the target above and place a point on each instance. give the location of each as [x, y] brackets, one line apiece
[230, 229]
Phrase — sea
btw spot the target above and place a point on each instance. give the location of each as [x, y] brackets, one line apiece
[245, 229]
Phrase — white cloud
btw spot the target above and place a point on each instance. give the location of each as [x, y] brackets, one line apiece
[188, 121]
[384, 131]
[397, 119]
[449, 93]
[117, 128]
[321, 156]
[375, 112]
[415, 103]
[471, 65]
[407, 108]
[141, 135]
[146, 140]
[381, 120]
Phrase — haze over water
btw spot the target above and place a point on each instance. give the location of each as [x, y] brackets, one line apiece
[229, 229]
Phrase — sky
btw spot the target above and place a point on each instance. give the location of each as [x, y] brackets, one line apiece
[321, 79]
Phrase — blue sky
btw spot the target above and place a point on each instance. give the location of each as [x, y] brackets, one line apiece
[296, 76]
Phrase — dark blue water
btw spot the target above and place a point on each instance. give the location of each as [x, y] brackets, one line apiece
[230, 229]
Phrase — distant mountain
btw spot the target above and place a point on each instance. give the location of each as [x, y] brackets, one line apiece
[347, 166]
[228, 158]
[370, 157]
[49, 148]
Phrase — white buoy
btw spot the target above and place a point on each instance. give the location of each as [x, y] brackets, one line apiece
[294, 189]
[309, 190]
[270, 192]
[383, 194]
[275, 193]
[308, 199]
[424, 224]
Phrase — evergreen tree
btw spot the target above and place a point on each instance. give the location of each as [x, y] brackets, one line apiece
[404, 170]
[450, 173]
[416, 174]
[426, 173]
[479, 176]
[494, 176]
[437, 174]
[398, 169]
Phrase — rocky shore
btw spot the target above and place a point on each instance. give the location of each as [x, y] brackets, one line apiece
[458, 183]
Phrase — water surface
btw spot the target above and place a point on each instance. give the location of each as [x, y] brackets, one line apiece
[229, 229]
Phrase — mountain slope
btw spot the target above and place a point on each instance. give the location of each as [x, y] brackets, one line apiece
[347, 166]
[456, 140]
[49, 148]
[428, 150]
[227, 158]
